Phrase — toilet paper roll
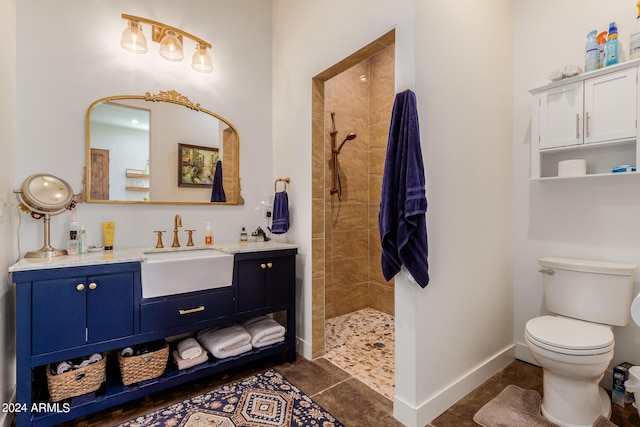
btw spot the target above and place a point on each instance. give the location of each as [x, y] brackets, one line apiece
[574, 167]
[126, 352]
[95, 357]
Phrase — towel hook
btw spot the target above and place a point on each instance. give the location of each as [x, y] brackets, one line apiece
[284, 180]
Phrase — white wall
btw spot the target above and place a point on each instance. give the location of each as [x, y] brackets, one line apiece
[7, 221]
[69, 56]
[590, 219]
[458, 331]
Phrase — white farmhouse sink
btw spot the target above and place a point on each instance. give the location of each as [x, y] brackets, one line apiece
[177, 272]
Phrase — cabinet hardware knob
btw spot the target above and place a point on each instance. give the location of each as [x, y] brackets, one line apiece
[80, 287]
[263, 266]
[92, 286]
[269, 265]
[191, 310]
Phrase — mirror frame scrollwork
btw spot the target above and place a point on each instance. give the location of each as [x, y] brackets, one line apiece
[170, 96]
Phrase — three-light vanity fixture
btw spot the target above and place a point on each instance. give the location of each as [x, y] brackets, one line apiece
[170, 39]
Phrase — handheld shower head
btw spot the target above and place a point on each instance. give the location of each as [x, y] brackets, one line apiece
[349, 137]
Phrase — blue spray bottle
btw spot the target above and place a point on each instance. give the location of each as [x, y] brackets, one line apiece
[591, 52]
[612, 54]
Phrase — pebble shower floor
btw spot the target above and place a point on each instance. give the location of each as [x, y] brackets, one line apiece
[363, 344]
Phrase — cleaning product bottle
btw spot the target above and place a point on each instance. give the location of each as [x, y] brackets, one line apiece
[602, 41]
[208, 234]
[591, 52]
[612, 54]
[634, 39]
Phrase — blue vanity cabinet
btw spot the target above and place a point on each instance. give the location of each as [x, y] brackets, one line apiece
[265, 280]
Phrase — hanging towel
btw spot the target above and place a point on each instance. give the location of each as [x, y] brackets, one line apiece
[403, 205]
[280, 213]
[217, 190]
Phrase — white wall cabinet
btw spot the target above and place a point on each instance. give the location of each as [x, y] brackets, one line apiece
[592, 116]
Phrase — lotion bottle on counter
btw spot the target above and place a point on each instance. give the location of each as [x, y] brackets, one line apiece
[208, 234]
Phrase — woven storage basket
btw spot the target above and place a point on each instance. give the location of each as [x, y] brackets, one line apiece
[143, 367]
[77, 381]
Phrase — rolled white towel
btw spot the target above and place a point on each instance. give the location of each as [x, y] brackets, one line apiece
[264, 331]
[226, 341]
[189, 349]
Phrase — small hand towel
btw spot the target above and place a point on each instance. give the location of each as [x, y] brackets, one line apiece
[226, 341]
[280, 213]
[264, 331]
[217, 190]
[189, 363]
[189, 349]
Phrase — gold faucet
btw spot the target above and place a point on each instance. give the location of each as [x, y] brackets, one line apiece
[177, 222]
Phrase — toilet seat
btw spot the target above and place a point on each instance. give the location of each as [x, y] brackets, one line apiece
[569, 336]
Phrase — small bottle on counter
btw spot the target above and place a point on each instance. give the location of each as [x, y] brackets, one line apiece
[243, 235]
[82, 240]
[208, 234]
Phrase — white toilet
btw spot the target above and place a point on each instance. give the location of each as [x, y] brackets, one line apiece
[575, 347]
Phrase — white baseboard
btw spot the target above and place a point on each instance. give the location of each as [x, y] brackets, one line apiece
[304, 348]
[447, 397]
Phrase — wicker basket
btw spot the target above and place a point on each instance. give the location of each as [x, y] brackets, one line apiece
[77, 381]
[143, 367]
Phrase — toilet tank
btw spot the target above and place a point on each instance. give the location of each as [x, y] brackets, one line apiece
[594, 291]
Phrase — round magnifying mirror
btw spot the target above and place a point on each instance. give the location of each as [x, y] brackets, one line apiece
[44, 195]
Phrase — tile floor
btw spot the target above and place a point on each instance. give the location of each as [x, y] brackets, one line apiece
[364, 335]
[344, 393]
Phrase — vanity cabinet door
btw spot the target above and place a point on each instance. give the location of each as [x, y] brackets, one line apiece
[71, 312]
[264, 282]
[59, 310]
[109, 306]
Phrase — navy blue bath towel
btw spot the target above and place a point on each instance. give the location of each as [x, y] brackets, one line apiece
[280, 213]
[403, 205]
[217, 191]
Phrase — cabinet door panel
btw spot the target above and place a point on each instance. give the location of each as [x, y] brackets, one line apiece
[278, 281]
[58, 314]
[109, 306]
[611, 106]
[561, 116]
[251, 285]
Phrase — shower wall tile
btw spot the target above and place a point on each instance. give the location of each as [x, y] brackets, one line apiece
[317, 337]
[317, 253]
[352, 298]
[381, 298]
[317, 222]
[348, 216]
[350, 271]
[317, 99]
[350, 243]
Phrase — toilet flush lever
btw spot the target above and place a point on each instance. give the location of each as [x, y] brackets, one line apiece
[547, 271]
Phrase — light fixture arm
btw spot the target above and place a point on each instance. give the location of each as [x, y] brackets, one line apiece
[159, 29]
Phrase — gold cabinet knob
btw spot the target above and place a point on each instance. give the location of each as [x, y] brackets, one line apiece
[92, 286]
[269, 265]
[80, 287]
[263, 266]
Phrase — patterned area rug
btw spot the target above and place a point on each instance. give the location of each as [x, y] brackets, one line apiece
[263, 400]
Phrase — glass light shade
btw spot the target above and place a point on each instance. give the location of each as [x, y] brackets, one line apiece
[170, 47]
[201, 61]
[132, 39]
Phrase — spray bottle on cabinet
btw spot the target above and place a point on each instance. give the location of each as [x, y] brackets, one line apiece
[612, 50]
[602, 41]
[591, 52]
[634, 39]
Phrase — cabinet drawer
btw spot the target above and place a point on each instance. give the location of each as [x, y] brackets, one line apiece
[165, 313]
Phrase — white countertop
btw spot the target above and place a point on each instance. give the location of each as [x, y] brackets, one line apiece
[138, 255]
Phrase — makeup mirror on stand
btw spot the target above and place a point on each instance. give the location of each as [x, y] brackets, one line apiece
[43, 195]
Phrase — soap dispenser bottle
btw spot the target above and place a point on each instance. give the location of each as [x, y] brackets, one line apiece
[208, 234]
[612, 50]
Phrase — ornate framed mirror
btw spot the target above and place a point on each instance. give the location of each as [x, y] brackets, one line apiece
[134, 142]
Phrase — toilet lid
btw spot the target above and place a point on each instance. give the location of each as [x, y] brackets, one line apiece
[561, 333]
